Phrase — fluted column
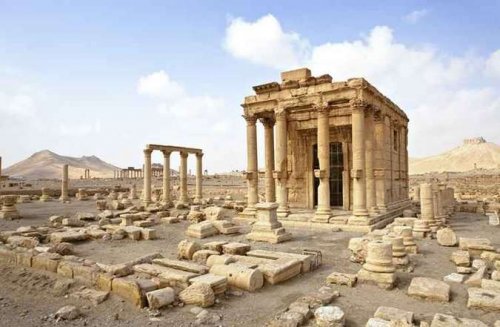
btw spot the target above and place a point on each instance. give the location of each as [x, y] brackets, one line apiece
[269, 158]
[323, 211]
[147, 176]
[183, 179]
[371, 204]
[199, 177]
[380, 162]
[358, 158]
[252, 173]
[64, 184]
[281, 171]
[166, 178]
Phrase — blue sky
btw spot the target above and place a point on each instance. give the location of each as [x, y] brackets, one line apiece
[71, 71]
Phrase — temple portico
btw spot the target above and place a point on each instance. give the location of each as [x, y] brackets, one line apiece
[167, 151]
[336, 148]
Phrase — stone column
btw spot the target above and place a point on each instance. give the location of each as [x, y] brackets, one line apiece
[199, 178]
[323, 211]
[147, 176]
[358, 159]
[64, 185]
[252, 173]
[416, 193]
[427, 204]
[183, 197]
[166, 178]
[269, 157]
[380, 162]
[388, 161]
[371, 204]
[281, 166]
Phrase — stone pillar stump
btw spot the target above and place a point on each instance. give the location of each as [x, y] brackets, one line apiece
[268, 228]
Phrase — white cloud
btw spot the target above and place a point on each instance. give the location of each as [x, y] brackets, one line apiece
[81, 129]
[159, 84]
[447, 98]
[415, 16]
[265, 42]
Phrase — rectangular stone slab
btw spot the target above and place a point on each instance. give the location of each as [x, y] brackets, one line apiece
[182, 265]
[306, 260]
[165, 273]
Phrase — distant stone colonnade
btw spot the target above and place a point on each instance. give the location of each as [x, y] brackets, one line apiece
[129, 172]
[167, 151]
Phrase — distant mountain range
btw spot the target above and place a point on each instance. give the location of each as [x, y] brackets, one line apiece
[47, 164]
[474, 153]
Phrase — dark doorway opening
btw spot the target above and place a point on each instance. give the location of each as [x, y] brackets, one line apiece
[336, 174]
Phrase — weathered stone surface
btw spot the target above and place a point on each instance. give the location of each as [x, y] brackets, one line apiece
[198, 294]
[236, 248]
[446, 237]
[464, 270]
[483, 299]
[461, 258]
[186, 249]
[389, 313]
[454, 278]
[181, 265]
[240, 276]
[202, 256]
[202, 230]
[280, 270]
[69, 312]
[96, 297]
[23, 241]
[69, 236]
[342, 279]
[490, 284]
[484, 244]
[46, 261]
[305, 259]
[378, 322]
[129, 290]
[160, 298]
[442, 320]
[329, 316]
[217, 283]
[428, 288]
[475, 278]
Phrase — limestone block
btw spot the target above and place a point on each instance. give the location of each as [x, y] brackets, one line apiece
[129, 290]
[280, 270]
[475, 279]
[483, 299]
[220, 259]
[305, 259]
[23, 241]
[461, 258]
[490, 284]
[65, 268]
[287, 319]
[133, 232]
[160, 298]
[46, 261]
[148, 233]
[225, 227]
[446, 237]
[495, 275]
[86, 274]
[217, 283]
[186, 249]
[454, 278]
[236, 248]
[377, 322]
[24, 258]
[490, 256]
[7, 256]
[96, 297]
[202, 256]
[394, 314]
[86, 216]
[69, 236]
[195, 216]
[104, 281]
[442, 320]
[382, 280]
[143, 223]
[68, 312]
[464, 270]
[479, 244]
[342, 279]
[181, 265]
[202, 230]
[170, 220]
[216, 213]
[359, 248]
[478, 263]
[239, 276]
[73, 222]
[493, 218]
[329, 316]
[214, 246]
[428, 288]
[198, 294]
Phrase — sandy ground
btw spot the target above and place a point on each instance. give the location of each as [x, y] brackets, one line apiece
[27, 296]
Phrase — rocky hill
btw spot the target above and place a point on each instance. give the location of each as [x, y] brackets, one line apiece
[47, 164]
[473, 154]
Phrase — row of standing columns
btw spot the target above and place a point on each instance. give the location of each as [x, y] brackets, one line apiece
[372, 164]
[128, 173]
[183, 195]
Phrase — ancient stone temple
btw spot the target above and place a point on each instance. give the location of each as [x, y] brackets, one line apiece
[337, 148]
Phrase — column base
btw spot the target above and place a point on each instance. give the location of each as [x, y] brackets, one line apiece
[283, 212]
[322, 216]
[146, 203]
[360, 213]
[359, 220]
[273, 236]
[248, 212]
[64, 200]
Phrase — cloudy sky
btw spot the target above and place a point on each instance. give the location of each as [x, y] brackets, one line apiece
[106, 77]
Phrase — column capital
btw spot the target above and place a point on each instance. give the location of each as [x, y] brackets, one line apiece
[199, 155]
[322, 108]
[147, 152]
[358, 104]
[267, 122]
[280, 114]
[251, 120]
[183, 154]
[166, 153]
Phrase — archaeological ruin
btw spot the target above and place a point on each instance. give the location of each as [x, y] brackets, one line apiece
[337, 148]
